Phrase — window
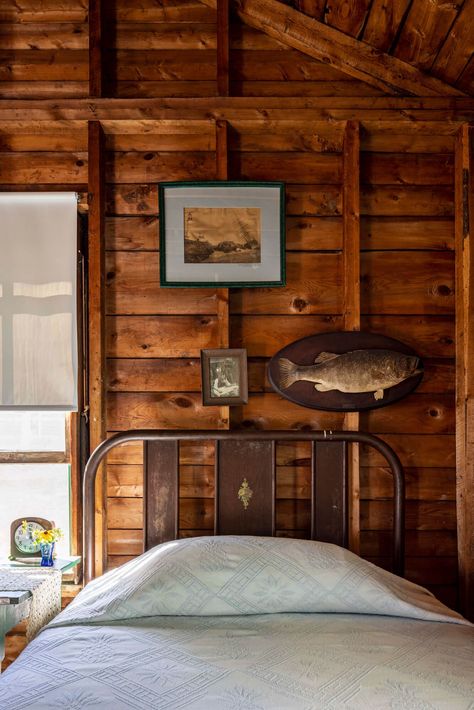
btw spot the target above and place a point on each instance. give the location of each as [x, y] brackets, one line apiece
[35, 471]
[39, 358]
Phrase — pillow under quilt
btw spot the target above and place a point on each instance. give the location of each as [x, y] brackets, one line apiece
[229, 575]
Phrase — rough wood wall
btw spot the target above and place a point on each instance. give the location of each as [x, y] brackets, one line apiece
[153, 335]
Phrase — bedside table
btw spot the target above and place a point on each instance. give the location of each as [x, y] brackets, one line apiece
[14, 606]
[65, 564]
[20, 582]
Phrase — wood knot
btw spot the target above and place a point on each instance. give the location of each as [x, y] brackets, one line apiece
[444, 290]
[434, 413]
[299, 304]
[148, 156]
[183, 402]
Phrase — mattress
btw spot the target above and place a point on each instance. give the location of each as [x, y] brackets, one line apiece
[118, 646]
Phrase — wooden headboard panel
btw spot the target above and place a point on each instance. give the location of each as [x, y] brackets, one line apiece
[245, 471]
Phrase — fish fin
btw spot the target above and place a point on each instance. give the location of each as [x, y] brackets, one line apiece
[322, 388]
[325, 357]
[378, 394]
[288, 374]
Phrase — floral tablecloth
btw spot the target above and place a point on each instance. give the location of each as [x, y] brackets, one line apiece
[45, 587]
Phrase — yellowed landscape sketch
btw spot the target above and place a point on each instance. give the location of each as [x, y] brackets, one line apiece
[223, 235]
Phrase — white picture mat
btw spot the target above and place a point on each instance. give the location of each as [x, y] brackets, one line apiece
[267, 199]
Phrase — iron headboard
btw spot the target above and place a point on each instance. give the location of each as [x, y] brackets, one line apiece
[245, 468]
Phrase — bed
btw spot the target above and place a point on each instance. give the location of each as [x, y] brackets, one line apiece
[243, 620]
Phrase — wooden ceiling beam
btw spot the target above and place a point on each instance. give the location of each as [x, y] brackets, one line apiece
[333, 47]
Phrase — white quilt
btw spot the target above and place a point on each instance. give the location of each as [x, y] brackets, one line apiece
[262, 634]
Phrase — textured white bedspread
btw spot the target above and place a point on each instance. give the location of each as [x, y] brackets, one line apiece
[248, 623]
[264, 662]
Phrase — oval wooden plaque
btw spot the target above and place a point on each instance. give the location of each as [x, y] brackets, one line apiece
[306, 350]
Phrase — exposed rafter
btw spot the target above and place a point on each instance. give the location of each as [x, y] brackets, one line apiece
[333, 47]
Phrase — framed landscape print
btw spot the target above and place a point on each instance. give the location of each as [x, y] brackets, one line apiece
[224, 376]
[222, 234]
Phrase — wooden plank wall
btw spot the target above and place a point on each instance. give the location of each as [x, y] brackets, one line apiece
[154, 335]
[407, 278]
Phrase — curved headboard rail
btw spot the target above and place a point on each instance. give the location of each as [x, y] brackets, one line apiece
[152, 435]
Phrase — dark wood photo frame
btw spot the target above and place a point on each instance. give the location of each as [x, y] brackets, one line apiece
[224, 369]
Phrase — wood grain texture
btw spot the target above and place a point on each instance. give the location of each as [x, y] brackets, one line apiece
[45, 35]
[160, 336]
[383, 23]
[133, 288]
[464, 364]
[347, 16]
[265, 411]
[295, 135]
[458, 47]
[50, 11]
[393, 233]
[424, 31]
[96, 322]
[423, 413]
[419, 543]
[410, 169]
[342, 51]
[407, 201]
[431, 282]
[147, 410]
[263, 335]
[377, 515]
[421, 483]
[416, 450]
[223, 47]
[97, 25]
[313, 234]
[138, 233]
[352, 299]
[429, 336]
[182, 11]
[43, 65]
[311, 287]
[43, 168]
[154, 375]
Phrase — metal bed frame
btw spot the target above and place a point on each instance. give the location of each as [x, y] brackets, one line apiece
[245, 473]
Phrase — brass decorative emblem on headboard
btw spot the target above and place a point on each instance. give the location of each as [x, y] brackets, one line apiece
[245, 493]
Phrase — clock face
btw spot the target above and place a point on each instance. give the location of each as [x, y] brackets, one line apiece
[24, 538]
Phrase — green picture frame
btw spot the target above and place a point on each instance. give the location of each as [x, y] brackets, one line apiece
[228, 234]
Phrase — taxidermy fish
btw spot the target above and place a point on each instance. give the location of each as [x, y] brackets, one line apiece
[354, 371]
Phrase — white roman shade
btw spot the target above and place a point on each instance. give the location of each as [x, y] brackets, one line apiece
[38, 315]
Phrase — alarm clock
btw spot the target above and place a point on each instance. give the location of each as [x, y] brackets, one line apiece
[22, 542]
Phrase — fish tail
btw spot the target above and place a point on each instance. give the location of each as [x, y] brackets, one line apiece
[288, 372]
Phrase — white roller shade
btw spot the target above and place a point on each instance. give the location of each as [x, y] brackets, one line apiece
[38, 318]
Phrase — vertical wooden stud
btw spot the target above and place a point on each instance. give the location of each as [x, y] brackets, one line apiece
[464, 221]
[222, 294]
[96, 295]
[96, 68]
[351, 291]
[223, 47]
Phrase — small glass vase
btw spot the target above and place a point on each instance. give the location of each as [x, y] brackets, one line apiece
[47, 549]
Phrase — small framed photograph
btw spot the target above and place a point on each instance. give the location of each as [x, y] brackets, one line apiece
[222, 234]
[224, 376]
